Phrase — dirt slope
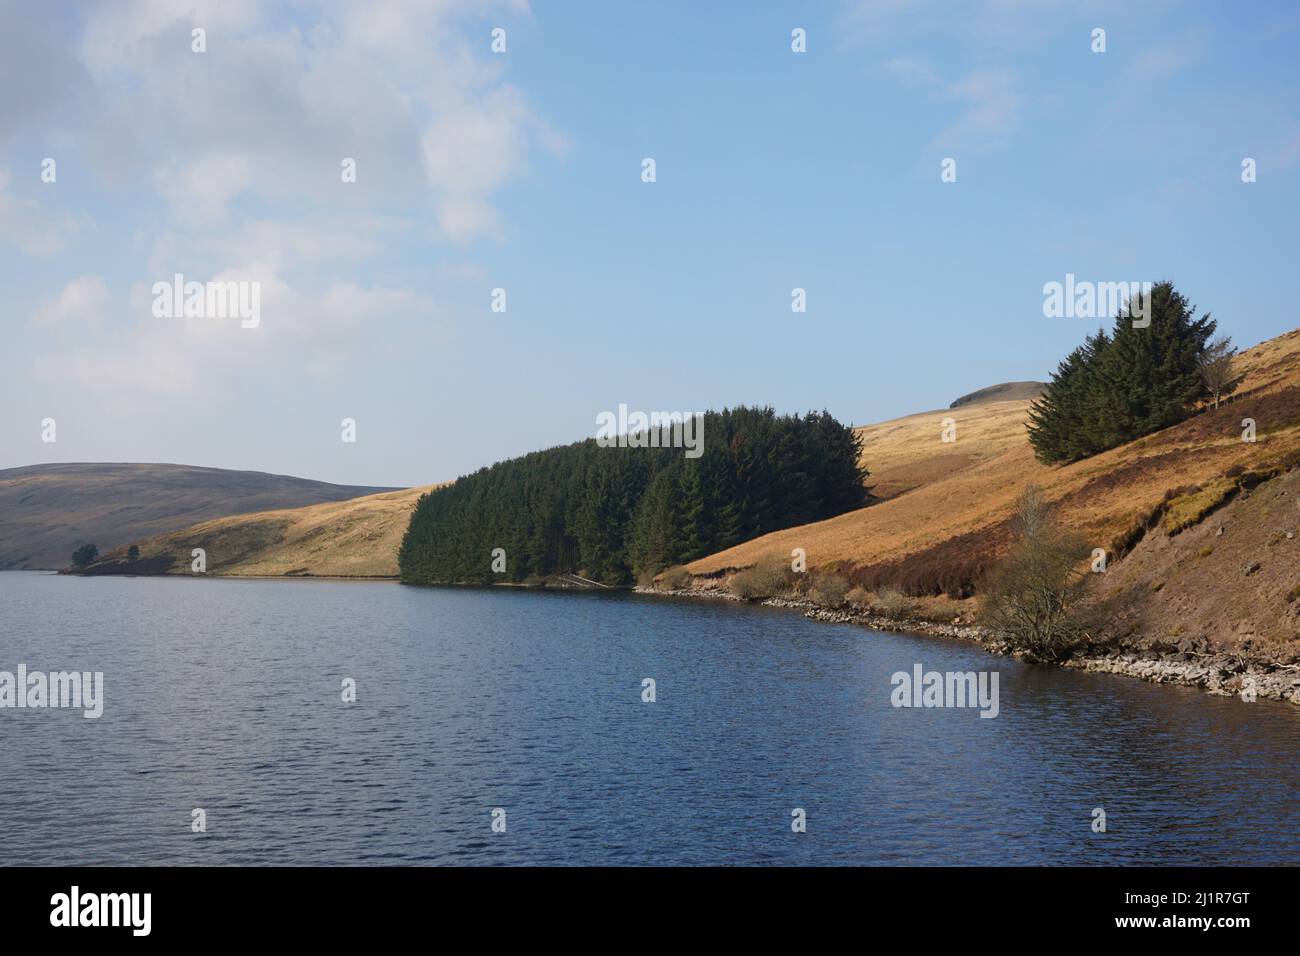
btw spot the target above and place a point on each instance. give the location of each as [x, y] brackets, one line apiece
[1230, 583]
[48, 511]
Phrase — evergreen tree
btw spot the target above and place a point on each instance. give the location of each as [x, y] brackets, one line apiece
[1118, 387]
[614, 514]
[1059, 427]
[656, 537]
[695, 529]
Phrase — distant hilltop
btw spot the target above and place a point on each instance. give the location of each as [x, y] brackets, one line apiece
[48, 511]
[1006, 392]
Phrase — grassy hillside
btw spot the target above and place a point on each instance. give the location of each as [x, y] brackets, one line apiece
[354, 538]
[47, 511]
[906, 453]
[943, 516]
[947, 505]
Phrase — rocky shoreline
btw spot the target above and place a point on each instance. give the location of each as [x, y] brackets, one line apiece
[1225, 675]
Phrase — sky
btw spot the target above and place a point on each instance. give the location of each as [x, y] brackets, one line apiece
[522, 169]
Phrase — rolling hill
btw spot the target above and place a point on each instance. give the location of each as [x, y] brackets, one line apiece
[47, 511]
[940, 515]
[1005, 392]
[946, 506]
[357, 538]
[906, 453]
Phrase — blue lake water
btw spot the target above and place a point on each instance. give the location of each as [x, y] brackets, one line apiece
[225, 695]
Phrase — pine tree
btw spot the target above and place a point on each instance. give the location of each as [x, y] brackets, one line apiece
[1059, 428]
[656, 539]
[1153, 374]
[616, 513]
[1118, 387]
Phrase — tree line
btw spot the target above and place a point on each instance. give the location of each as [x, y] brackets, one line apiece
[619, 514]
[1120, 385]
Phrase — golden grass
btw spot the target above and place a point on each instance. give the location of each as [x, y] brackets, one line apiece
[906, 453]
[1189, 509]
[48, 510]
[936, 491]
[354, 538]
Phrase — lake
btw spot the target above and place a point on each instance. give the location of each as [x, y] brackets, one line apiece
[225, 695]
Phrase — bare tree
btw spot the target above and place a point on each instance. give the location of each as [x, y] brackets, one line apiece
[1216, 368]
[1031, 597]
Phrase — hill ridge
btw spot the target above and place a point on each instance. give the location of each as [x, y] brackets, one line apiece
[47, 510]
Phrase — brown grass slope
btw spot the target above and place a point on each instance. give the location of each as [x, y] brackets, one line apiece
[906, 453]
[48, 511]
[946, 508]
[355, 538]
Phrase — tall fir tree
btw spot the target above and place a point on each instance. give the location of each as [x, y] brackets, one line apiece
[615, 514]
[1118, 387]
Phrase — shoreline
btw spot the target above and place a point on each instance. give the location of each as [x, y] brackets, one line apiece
[1222, 675]
[209, 574]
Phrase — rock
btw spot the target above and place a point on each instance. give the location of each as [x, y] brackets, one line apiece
[1252, 568]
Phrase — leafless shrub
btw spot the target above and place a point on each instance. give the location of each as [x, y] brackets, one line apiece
[829, 589]
[859, 597]
[768, 578]
[676, 578]
[1031, 597]
[892, 603]
[1216, 368]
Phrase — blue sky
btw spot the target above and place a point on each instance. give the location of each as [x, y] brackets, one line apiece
[521, 170]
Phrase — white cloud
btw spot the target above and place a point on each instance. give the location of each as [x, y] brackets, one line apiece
[83, 299]
[408, 89]
[869, 19]
[26, 226]
[912, 71]
[199, 192]
[994, 23]
[1160, 60]
[993, 110]
[242, 146]
[125, 380]
[140, 359]
[992, 104]
[119, 36]
[310, 240]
